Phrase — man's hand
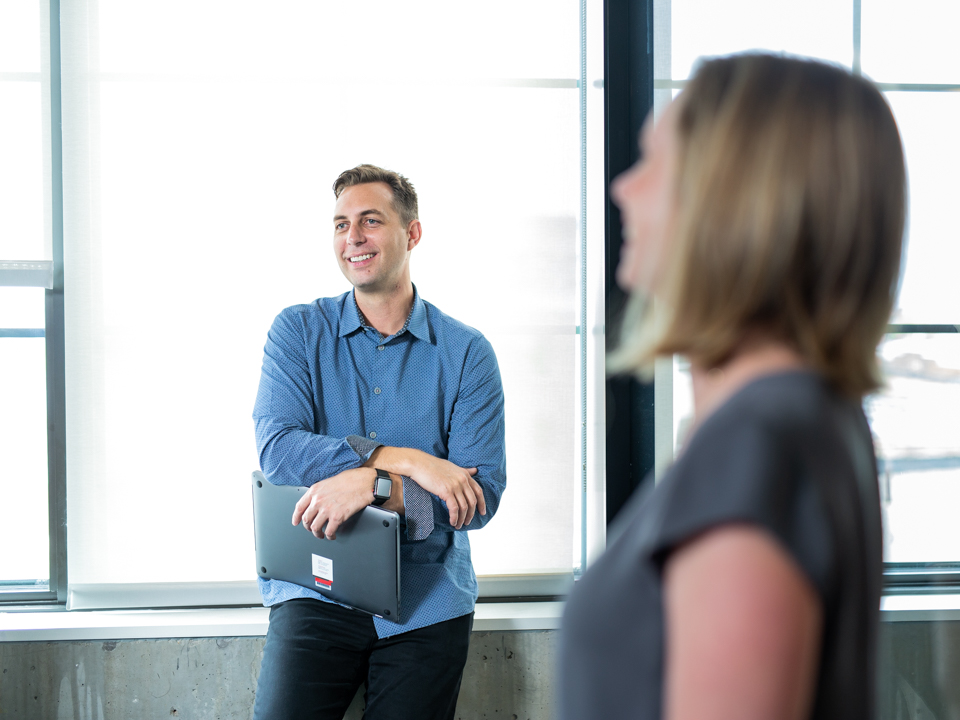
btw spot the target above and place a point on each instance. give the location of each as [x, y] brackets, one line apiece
[328, 503]
[455, 486]
[449, 482]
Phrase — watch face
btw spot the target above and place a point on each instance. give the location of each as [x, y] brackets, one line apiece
[384, 486]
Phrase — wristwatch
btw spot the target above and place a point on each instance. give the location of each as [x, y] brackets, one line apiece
[382, 487]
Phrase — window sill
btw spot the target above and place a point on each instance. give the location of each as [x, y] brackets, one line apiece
[52, 626]
[921, 607]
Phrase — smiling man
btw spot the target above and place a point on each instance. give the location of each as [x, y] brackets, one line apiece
[372, 384]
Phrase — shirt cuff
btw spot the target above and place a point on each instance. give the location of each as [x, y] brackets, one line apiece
[417, 509]
[362, 446]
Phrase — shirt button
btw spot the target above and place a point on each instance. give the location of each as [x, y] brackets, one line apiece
[376, 391]
[373, 435]
[379, 347]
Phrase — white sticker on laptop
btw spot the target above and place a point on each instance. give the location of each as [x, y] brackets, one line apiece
[323, 572]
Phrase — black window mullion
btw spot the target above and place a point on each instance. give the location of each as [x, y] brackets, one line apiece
[913, 578]
[628, 98]
[922, 329]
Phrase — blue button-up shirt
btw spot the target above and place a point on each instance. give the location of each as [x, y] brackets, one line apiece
[332, 390]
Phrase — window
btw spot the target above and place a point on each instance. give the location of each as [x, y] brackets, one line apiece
[200, 143]
[906, 51]
[913, 418]
[31, 310]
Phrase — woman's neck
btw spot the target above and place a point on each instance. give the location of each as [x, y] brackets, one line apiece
[713, 387]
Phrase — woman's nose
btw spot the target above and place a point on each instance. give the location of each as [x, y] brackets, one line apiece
[620, 187]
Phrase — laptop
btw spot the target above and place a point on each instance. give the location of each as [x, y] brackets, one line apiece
[361, 568]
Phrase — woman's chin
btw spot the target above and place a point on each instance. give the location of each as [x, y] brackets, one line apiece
[626, 278]
[634, 281]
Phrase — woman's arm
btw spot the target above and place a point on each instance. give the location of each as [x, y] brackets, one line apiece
[743, 628]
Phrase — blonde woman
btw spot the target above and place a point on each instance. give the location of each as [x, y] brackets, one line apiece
[765, 220]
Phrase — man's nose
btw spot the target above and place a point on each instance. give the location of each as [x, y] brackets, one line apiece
[354, 236]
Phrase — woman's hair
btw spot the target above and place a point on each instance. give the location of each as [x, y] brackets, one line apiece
[790, 205]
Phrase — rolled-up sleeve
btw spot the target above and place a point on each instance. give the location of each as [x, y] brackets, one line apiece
[417, 509]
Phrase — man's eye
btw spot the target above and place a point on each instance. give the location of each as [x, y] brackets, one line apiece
[340, 226]
[372, 221]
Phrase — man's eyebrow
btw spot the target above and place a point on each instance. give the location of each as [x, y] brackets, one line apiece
[363, 213]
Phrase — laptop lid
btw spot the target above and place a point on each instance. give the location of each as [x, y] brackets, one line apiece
[361, 568]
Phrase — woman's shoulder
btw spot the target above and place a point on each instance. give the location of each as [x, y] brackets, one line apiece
[773, 456]
[770, 431]
[779, 418]
[780, 404]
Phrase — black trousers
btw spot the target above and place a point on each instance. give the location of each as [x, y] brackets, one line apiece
[317, 654]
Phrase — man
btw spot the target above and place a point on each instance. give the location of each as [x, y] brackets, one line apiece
[378, 381]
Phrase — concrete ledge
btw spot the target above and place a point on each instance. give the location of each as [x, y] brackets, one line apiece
[132, 624]
[517, 616]
[50, 626]
[246, 593]
[55, 625]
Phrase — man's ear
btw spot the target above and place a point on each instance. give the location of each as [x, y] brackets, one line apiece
[414, 233]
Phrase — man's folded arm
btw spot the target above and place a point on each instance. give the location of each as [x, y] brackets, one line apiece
[290, 452]
[478, 431]
[292, 456]
[476, 440]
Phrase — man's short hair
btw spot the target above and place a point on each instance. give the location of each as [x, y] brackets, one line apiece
[791, 199]
[404, 196]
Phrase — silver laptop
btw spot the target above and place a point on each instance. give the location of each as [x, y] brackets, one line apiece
[361, 568]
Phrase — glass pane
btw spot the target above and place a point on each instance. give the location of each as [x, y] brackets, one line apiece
[245, 233]
[818, 28]
[21, 307]
[21, 172]
[515, 542]
[19, 37]
[915, 421]
[495, 39]
[682, 401]
[910, 42]
[927, 120]
[23, 447]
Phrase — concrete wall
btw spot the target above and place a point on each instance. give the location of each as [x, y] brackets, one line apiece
[508, 677]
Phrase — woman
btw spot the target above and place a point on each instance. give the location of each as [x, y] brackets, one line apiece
[765, 219]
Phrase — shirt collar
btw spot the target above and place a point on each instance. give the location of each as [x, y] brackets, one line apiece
[417, 323]
[349, 314]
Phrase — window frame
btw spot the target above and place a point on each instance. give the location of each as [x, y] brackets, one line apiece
[41, 274]
[629, 82]
[537, 587]
[635, 411]
[656, 434]
[902, 578]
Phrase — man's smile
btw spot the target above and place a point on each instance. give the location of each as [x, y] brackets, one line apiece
[360, 258]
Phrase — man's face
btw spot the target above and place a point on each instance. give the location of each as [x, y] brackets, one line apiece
[370, 240]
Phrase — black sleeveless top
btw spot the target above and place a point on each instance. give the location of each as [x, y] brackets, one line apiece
[787, 454]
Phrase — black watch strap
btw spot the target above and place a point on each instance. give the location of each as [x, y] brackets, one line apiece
[382, 487]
